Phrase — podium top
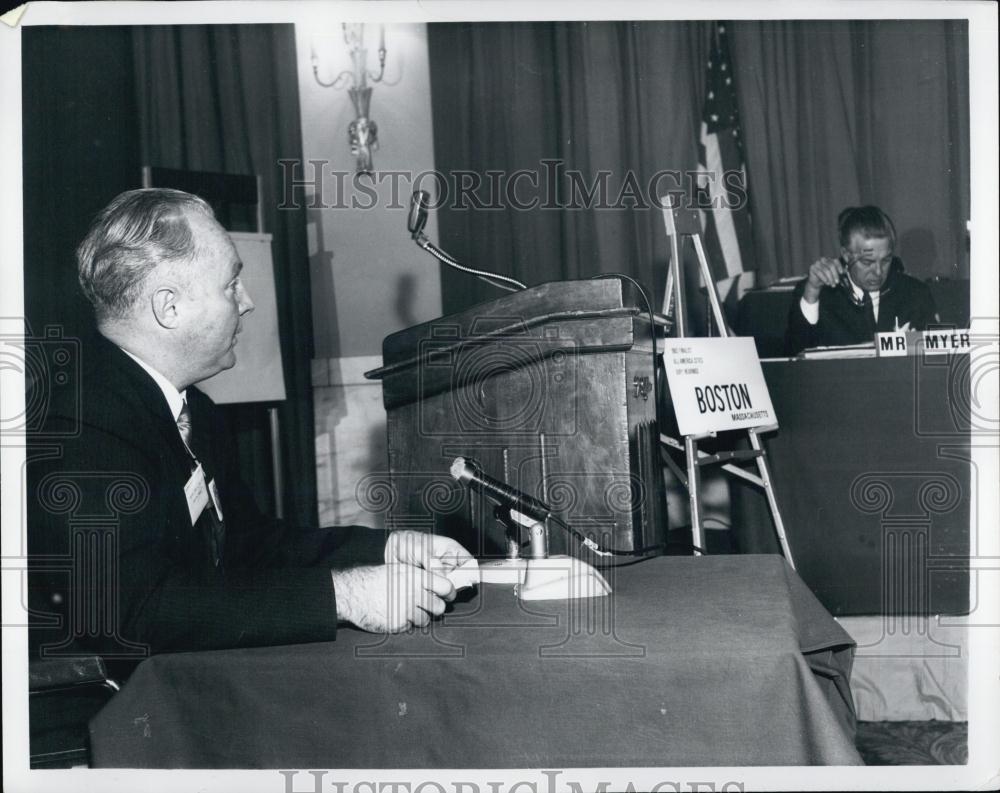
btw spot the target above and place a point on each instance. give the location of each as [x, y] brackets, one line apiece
[560, 317]
[515, 313]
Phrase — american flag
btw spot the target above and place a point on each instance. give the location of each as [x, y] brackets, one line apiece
[727, 230]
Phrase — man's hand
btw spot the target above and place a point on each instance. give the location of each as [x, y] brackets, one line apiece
[427, 551]
[823, 272]
[390, 598]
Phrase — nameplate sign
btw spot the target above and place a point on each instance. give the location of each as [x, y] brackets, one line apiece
[894, 344]
[716, 385]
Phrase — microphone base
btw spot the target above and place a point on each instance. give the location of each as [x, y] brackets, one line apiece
[554, 578]
[509, 572]
[561, 578]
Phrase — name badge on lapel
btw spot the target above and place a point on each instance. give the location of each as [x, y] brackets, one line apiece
[196, 492]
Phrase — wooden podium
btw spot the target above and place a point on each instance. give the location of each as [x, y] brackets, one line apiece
[550, 389]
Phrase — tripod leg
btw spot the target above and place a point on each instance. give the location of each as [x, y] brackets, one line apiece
[765, 476]
[713, 293]
[693, 483]
[668, 295]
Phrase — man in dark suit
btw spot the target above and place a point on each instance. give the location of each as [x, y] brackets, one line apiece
[141, 536]
[864, 292]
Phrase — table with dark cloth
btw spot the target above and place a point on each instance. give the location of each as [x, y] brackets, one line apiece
[693, 661]
[871, 468]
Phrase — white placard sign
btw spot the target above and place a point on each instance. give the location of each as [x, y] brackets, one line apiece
[942, 342]
[898, 343]
[717, 384]
[257, 376]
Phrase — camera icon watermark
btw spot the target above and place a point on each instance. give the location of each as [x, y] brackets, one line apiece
[76, 573]
[502, 376]
[50, 366]
[952, 393]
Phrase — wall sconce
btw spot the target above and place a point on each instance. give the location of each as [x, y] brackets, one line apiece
[362, 133]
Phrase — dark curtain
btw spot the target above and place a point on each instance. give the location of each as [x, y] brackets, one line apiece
[844, 113]
[612, 97]
[225, 98]
[833, 113]
[80, 149]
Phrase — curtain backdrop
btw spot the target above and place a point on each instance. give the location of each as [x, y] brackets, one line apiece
[80, 148]
[845, 113]
[225, 98]
[833, 113]
[621, 98]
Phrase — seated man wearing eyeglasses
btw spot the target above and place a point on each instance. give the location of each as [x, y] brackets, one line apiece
[850, 299]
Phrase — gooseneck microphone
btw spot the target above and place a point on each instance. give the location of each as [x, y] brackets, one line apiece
[471, 475]
[415, 222]
[417, 218]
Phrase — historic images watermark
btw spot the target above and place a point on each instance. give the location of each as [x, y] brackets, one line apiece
[546, 781]
[84, 573]
[481, 369]
[922, 554]
[314, 184]
[50, 365]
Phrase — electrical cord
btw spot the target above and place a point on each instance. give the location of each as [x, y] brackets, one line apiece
[597, 549]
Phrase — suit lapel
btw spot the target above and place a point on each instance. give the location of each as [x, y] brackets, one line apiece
[136, 387]
[155, 431]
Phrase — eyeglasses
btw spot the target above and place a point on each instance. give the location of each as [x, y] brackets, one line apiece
[868, 263]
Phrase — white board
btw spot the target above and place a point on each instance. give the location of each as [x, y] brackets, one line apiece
[717, 384]
[257, 376]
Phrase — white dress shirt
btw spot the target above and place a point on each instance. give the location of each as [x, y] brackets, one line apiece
[811, 310]
[175, 399]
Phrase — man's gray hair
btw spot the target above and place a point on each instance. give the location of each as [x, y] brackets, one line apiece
[128, 239]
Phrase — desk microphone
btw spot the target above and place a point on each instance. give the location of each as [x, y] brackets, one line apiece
[471, 475]
[417, 218]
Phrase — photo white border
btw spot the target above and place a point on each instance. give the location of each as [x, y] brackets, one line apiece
[984, 699]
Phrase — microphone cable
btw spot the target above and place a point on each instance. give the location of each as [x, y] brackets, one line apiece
[598, 550]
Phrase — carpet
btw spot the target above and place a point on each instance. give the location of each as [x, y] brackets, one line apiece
[913, 742]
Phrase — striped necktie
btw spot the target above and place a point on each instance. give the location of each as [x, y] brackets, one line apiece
[184, 426]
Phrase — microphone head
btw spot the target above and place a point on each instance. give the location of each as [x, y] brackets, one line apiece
[463, 470]
[417, 218]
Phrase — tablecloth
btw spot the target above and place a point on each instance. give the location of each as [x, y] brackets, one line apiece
[693, 661]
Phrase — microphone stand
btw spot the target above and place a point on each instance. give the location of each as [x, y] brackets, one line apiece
[539, 576]
[493, 279]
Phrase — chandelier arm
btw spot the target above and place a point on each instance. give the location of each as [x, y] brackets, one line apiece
[377, 78]
[337, 82]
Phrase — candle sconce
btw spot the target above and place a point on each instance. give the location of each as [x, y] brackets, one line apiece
[362, 132]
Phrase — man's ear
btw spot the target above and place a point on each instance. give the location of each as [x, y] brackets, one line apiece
[164, 304]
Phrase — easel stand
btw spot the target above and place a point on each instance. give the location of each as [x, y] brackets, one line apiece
[681, 222]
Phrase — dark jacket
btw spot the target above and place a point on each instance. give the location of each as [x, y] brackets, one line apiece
[841, 321]
[115, 566]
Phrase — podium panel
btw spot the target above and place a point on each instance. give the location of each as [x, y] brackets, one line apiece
[549, 389]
